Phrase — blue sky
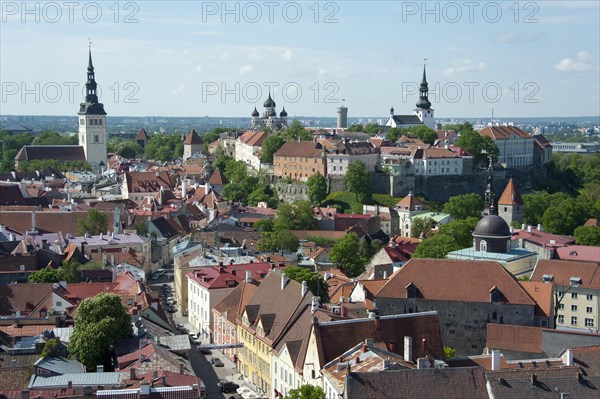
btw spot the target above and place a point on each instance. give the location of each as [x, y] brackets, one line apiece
[184, 58]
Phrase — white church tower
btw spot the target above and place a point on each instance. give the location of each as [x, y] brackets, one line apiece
[92, 123]
[424, 110]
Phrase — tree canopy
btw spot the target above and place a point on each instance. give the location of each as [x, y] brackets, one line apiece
[421, 226]
[436, 246]
[94, 223]
[358, 181]
[587, 235]
[269, 146]
[464, 205]
[481, 147]
[317, 188]
[347, 255]
[460, 230]
[164, 147]
[101, 321]
[422, 133]
[277, 240]
[316, 283]
[306, 391]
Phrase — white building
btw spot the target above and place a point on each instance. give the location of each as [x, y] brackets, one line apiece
[248, 148]
[436, 162]
[339, 159]
[515, 145]
[422, 114]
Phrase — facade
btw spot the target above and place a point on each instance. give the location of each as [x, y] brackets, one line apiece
[300, 160]
[510, 204]
[139, 185]
[473, 293]
[339, 159]
[248, 148]
[92, 123]
[542, 150]
[515, 145]
[408, 207]
[141, 138]
[388, 216]
[436, 162]
[577, 292]
[193, 145]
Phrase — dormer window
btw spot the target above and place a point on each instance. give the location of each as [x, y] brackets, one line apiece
[411, 291]
[482, 246]
[495, 295]
[575, 281]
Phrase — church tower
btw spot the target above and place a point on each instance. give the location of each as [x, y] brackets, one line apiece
[489, 196]
[510, 204]
[92, 123]
[424, 110]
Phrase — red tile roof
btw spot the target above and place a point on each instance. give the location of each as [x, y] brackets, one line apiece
[142, 135]
[253, 138]
[503, 132]
[514, 338]
[465, 281]
[582, 253]
[592, 223]
[228, 276]
[218, 178]
[542, 238]
[542, 294]
[563, 270]
[410, 202]
[193, 138]
[510, 195]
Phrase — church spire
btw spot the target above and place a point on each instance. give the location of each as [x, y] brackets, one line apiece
[490, 197]
[90, 85]
[424, 92]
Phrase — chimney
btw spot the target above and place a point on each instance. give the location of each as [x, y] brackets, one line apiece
[248, 276]
[284, 280]
[567, 357]
[25, 394]
[164, 380]
[70, 385]
[142, 357]
[386, 363]
[144, 389]
[132, 373]
[423, 363]
[523, 226]
[100, 368]
[540, 227]
[314, 304]
[304, 288]
[408, 349]
[495, 360]
[530, 229]
[385, 276]
[369, 342]
[195, 389]
[33, 229]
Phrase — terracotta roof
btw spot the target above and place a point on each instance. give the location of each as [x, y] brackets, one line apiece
[55, 152]
[144, 182]
[25, 330]
[438, 153]
[235, 301]
[336, 337]
[503, 132]
[303, 149]
[218, 178]
[142, 135]
[542, 294]
[465, 281]
[216, 277]
[514, 338]
[588, 358]
[23, 298]
[253, 138]
[510, 195]
[410, 202]
[563, 270]
[302, 234]
[584, 253]
[541, 141]
[464, 383]
[542, 238]
[14, 379]
[193, 138]
[592, 223]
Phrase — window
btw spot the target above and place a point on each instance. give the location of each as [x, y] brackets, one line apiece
[573, 295]
[588, 309]
[561, 319]
[95, 138]
[573, 320]
[573, 308]
[589, 322]
[483, 246]
[588, 297]
[82, 121]
[561, 306]
[58, 303]
[559, 293]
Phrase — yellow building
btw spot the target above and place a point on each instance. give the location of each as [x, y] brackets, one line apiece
[266, 318]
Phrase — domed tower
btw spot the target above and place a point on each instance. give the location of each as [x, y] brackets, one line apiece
[255, 118]
[283, 117]
[269, 107]
[424, 110]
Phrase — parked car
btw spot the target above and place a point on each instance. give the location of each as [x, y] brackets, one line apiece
[204, 351]
[227, 386]
[215, 361]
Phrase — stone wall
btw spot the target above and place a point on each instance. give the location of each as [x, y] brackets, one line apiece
[463, 324]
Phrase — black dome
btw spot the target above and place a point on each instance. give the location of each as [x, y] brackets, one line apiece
[255, 112]
[492, 226]
[423, 103]
[272, 113]
[269, 103]
[283, 113]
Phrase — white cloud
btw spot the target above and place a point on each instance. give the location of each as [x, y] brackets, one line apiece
[577, 65]
[515, 37]
[199, 69]
[464, 65]
[245, 69]
[287, 54]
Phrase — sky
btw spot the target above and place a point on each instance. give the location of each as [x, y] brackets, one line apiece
[194, 58]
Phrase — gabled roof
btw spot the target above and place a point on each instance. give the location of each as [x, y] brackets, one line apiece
[253, 138]
[407, 120]
[336, 337]
[410, 202]
[234, 302]
[193, 138]
[510, 195]
[143, 182]
[142, 135]
[542, 294]
[23, 298]
[461, 382]
[56, 152]
[464, 281]
[303, 149]
[563, 270]
[584, 253]
[218, 178]
[503, 132]
[502, 336]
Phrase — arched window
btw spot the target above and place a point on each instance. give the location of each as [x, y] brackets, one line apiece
[95, 138]
[483, 246]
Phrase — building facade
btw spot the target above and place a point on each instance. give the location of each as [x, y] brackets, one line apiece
[515, 145]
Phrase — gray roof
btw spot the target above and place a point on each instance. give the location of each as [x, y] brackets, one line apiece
[60, 366]
[175, 342]
[78, 379]
[407, 120]
[492, 226]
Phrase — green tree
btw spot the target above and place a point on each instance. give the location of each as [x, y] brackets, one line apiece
[235, 171]
[481, 147]
[358, 180]
[306, 391]
[128, 149]
[423, 133]
[51, 348]
[264, 225]
[101, 321]
[316, 188]
[262, 193]
[296, 131]
[68, 271]
[269, 146]
[587, 235]
[464, 205]
[564, 218]
[449, 352]
[316, 284]
[45, 275]
[421, 226]
[355, 128]
[94, 223]
[437, 246]
[141, 228]
[461, 230]
[297, 216]
[346, 254]
[272, 241]
[536, 204]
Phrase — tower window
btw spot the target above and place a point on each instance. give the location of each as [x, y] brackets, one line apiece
[81, 121]
[100, 122]
[483, 246]
[96, 138]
